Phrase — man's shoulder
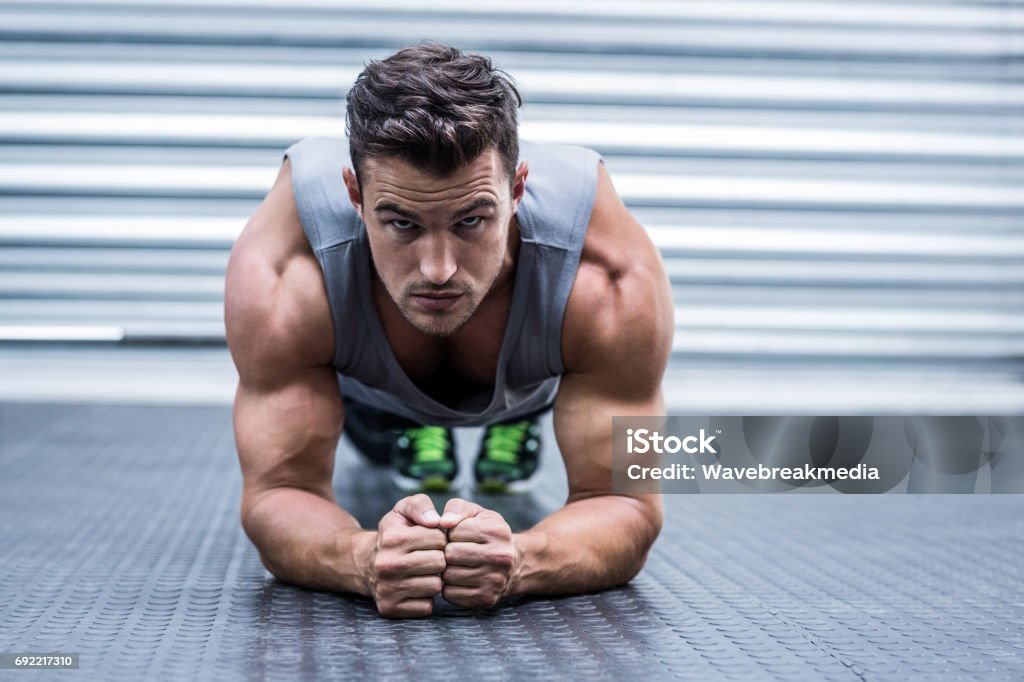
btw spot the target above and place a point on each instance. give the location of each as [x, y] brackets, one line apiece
[319, 192]
[559, 192]
[559, 169]
[275, 308]
[320, 147]
[621, 301]
[317, 158]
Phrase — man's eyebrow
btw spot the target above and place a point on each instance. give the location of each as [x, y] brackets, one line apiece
[405, 213]
[479, 203]
[395, 208]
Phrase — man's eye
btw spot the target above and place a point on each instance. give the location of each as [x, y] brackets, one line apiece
[401, 224]
[476, 221]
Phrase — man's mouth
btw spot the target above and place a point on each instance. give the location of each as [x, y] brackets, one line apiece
[437, 300]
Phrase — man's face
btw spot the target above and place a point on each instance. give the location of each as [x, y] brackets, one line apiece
[438, 244]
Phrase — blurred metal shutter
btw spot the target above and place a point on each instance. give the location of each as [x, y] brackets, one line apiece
[831, 184]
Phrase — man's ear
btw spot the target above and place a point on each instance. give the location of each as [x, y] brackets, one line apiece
[352, 185]
[519, 184]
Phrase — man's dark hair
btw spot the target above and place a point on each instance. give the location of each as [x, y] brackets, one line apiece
[435, 107]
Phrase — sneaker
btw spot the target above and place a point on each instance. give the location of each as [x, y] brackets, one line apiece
[509, 456]
[423, 458]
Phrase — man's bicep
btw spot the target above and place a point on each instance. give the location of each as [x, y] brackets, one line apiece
[620, 344]
[583, 414]
[288, 411]
[287, 433]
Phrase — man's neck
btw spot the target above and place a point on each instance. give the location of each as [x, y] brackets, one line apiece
[507, 275]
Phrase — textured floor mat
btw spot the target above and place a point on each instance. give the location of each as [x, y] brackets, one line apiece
[121, 541]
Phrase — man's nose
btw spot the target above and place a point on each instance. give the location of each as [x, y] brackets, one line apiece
[438, 263]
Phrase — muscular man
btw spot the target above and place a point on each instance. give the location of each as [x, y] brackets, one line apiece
[412, 278]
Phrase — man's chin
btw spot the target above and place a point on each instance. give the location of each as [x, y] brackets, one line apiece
[437, 325]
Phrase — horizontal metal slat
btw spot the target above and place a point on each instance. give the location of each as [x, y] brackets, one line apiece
[864, 321]
[654, 35]
[549, 85]
[658, 190]
[955, 16]
[145, 230]
[980, 70]
[950, 298]
[59, 259]
[768, 343]
[735, 387]
[916, 171]
[805, 273]
[110, 312]
[813, 193]
[110, 285]
[766, 242]
[638, 138]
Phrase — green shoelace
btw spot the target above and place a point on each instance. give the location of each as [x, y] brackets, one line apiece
[429, 442]
[503, 441]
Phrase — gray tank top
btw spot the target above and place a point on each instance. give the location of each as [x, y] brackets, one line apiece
[553, 217]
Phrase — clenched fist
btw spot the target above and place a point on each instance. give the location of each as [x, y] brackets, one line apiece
[407, 560]
[481, 557]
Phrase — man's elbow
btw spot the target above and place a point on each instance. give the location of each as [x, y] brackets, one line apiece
[634, 569]
[650, 516]
[258, 525]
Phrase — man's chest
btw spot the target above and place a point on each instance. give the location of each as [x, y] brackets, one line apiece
[469, 356]
[431, 362]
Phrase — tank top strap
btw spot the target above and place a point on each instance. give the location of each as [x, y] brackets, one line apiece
[335, 233]
[328, 217]
[554, 216]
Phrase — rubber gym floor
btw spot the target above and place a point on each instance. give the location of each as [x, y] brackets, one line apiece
[121, 542]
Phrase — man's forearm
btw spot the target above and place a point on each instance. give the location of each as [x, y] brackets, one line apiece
[589, 544]
[309, 541]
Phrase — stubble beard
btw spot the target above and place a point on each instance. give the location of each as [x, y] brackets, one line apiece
[442, 323]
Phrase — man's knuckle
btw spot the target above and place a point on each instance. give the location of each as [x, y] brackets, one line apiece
[491, 535]
[459, 596]
[436, 562]
[484, 599]
[392, 538]
[500, 557]
[387, 565]
[409, 534]
[497, 529]
[496, 583]
[453, 553]
[432, 537]
[387, 608]
[383, 590]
